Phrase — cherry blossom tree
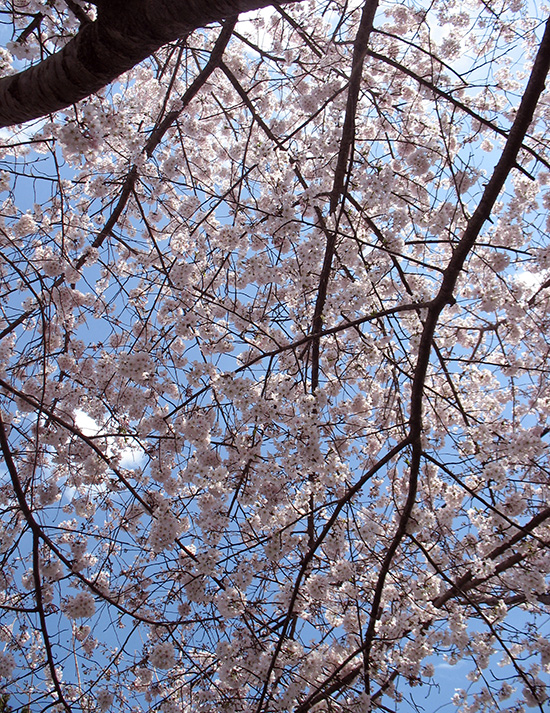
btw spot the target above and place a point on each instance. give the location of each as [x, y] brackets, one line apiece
[274, 362]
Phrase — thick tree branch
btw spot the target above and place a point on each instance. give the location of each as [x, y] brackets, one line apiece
[345, 152]
[124, 34]
[356, 78]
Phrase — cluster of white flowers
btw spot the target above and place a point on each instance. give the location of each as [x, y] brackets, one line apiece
[84, 507]
[145, 675]
[499, 261]
[419, 161]
[80, 606]
[164, 530]
[163, 656]
[22, 50]
[82, 632]
[5, 62]
[180, 275]
[73, 140]
[230, 603]
[25, 225]
[5, 181]
[7, 664]
[52, 569]
[6, 351]
[135, 365]
[50, 263]
[49, 493]
[104, 699]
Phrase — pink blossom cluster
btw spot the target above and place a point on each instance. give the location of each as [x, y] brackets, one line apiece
[162, 655]
[81, 606]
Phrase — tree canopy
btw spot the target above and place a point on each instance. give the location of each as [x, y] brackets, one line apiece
[274, 356]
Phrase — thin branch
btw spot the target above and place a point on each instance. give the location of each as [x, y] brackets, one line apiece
[455, 102]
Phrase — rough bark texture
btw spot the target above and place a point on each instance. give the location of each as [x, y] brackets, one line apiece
[125, 33]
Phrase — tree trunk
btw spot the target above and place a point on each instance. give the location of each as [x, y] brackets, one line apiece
[125, 33]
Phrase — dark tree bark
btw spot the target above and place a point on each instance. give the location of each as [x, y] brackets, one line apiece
[125, 33]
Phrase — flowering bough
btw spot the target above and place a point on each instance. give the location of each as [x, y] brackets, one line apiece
[274, 364]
